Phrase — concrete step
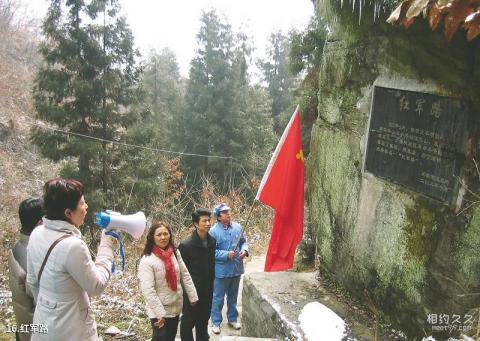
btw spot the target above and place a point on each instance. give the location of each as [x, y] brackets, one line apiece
[243, 338]
[238, 338]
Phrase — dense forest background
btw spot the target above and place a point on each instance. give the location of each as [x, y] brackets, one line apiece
[77, 100]
[135, 132]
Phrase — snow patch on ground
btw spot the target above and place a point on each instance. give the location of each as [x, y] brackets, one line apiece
[320, 323]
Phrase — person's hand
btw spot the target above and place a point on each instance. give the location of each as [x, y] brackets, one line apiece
[113, 235]
[230, 255]
[107, 240]
[243, 254]
[159, 323]
[193, 304]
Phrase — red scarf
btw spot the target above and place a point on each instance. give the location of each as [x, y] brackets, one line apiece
[166, 257]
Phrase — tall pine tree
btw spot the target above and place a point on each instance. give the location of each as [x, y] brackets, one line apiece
[305, 55]
[212, 122]
[224, 115]
[280, 81]
[165, 90]
[86, 86]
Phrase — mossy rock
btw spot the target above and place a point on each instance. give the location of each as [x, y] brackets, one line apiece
[413, 255]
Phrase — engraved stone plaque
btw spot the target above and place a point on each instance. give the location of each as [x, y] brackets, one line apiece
[417, 140]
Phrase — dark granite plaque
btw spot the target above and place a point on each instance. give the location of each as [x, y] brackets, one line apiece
[417, 140]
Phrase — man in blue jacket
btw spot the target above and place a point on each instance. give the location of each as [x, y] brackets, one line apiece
[230, 250]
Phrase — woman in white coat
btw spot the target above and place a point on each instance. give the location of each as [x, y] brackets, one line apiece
[160, 271]
[61, 288]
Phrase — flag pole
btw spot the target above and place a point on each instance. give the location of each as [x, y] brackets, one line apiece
[282, 188]
[267, 173]
[244, 225]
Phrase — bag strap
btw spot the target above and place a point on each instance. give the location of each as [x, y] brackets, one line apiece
[49, 251]
[179, 268]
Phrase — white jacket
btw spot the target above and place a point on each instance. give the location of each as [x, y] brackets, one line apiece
[160, 300]
[69, 278]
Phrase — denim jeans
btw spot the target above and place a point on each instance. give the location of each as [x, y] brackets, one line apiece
[222, 286]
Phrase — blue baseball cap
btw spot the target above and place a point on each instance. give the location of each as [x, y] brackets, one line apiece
[220, 208]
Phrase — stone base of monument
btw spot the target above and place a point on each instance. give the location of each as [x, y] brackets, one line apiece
[297, 306]
[243, 338]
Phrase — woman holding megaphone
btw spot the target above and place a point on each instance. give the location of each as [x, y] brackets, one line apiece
[160, 271]
[60, 271]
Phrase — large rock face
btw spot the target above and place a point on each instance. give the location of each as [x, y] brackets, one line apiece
[413, 257]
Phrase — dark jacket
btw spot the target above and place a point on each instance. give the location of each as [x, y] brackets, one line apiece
[23, 305]
[200, 262]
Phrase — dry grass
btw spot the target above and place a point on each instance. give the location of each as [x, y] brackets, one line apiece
[122, 303]
[23, 172]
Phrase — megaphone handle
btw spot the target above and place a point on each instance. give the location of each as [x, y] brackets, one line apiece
[122, 253]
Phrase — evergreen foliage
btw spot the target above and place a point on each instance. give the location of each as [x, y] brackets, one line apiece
[305, 57]
[306, 47]
[88, 85]
[276, 73]
[221, 118]
[165, 91]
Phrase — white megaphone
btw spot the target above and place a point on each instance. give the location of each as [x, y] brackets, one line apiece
[133, 224]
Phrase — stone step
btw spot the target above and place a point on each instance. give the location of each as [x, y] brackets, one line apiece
[295, 306]
[243, 338]
[239, 338]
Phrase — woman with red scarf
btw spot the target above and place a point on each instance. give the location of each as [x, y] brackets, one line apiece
[161, 272]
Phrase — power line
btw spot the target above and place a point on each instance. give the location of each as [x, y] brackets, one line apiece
[134, 145]
[231, 158]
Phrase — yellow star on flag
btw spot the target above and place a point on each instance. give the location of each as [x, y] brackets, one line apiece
[299, 155]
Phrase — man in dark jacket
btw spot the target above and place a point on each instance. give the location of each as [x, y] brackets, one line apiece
[198, 253]
[30, 213]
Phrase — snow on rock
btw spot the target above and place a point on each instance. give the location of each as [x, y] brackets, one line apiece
[462, 338]
[320, 323]
[285, 321]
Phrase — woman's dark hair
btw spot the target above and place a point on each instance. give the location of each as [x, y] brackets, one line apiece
[60, 194]
[151, 240]
[30, 212]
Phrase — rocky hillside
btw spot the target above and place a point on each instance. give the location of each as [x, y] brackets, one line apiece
[22, 170]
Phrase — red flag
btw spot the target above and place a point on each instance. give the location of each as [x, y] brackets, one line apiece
[282, 189]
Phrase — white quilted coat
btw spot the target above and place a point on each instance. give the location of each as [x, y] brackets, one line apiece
[160, 300]
[69, 278]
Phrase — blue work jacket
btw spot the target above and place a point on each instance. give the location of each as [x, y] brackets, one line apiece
[226, 241]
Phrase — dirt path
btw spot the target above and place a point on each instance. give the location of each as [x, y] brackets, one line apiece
[255, 264]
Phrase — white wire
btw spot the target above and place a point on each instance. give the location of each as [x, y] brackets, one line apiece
[133, 145]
